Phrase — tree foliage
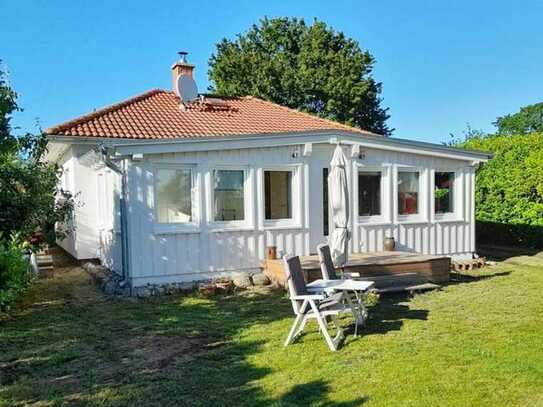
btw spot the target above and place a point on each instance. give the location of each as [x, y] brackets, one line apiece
[312, 68]
[528, 120]
[30, 198]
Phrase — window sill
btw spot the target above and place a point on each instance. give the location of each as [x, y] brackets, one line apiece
[372, 220]
[373, 223]
[218, 228]
[281, 225]
[175, 229]
[411, 220]
[447, 219]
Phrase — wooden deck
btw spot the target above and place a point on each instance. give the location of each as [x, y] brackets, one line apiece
[377, 266]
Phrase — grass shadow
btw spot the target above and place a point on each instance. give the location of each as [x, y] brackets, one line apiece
[314, 394]
[462, 278]
[390, 312]
[79, 348]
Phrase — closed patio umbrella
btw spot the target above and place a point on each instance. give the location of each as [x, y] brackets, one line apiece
[339, 199]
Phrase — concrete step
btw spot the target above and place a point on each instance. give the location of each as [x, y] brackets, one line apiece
[44, 259]
[56, 256]
[45, 264]
[46, 272]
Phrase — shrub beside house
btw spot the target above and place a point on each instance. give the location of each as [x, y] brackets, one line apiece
[509, 190]
[30, 199]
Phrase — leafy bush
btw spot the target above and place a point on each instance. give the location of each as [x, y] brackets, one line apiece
[30, 197]
[15, 273]
[509, 189]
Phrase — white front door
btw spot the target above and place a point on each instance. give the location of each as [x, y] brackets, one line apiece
[319, 221]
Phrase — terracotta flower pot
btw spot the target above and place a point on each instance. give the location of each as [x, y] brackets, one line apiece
[389, 244]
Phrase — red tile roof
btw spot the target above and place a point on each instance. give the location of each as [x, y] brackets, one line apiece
[157, 115]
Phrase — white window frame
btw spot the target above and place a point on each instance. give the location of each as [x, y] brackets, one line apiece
[296, 193]
[231, 225]
[458, 197]
[422, 215]
[178, 227]
[384, 218]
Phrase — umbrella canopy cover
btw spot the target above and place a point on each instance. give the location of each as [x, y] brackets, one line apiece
[339, 202]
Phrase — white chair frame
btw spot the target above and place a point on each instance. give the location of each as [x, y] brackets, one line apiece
[359, 308]
[313, 306]
[320, 316]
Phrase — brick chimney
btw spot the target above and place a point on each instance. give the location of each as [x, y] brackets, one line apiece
[181, 67]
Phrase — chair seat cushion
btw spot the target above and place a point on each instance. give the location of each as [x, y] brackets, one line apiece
[330, 302]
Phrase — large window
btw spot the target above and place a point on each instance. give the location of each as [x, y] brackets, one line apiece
[278, 194]
[369, 193]
[408, 193]
[229, 195]
[443, 192]
[173, 195]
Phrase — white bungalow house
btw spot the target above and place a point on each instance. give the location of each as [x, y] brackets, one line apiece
[174, 190]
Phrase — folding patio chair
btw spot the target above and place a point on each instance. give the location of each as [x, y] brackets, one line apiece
[327, 264]
[329, 273]
[311, 306]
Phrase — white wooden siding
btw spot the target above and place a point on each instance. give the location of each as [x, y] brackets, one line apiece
[157, 256]
[67, 163]
[82, 182]
[109, 218]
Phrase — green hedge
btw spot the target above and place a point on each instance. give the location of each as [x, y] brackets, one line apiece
[503, 234]
[509, 190]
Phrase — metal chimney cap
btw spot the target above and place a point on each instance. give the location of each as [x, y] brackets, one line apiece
[183, 56]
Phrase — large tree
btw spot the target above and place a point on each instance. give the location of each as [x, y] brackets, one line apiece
[30, 198]
[308, 67]
[529, 119]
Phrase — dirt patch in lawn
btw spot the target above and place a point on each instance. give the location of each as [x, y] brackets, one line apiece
[161, 352]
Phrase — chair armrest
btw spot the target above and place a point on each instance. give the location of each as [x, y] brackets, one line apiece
[351, 275]
[316, 297]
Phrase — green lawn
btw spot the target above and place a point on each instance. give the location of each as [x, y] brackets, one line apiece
[476, 342]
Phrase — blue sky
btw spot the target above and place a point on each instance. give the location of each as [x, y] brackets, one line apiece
[442, 64]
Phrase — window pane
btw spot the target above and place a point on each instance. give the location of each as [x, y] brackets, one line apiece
[408, 193]
[277, 185]
[443, 193]
[173, 195]
[369, 193]
[229, 195]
